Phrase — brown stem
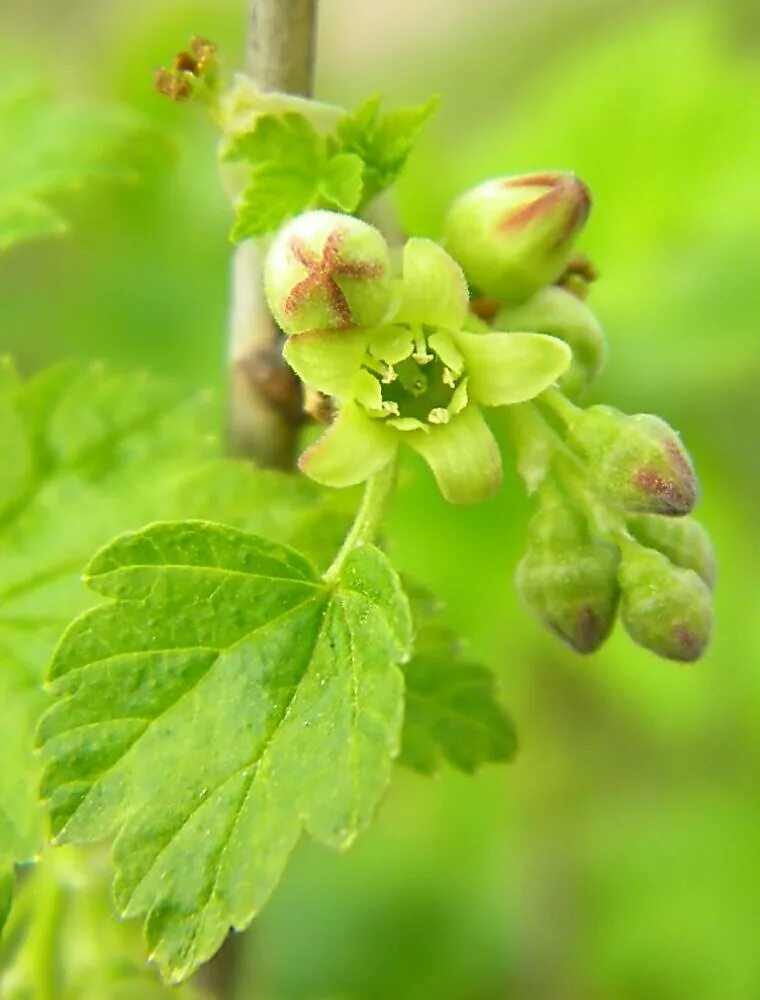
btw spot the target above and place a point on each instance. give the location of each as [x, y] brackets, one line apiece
[265, 404]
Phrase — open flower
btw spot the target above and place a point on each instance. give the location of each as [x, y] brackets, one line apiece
[416, 377]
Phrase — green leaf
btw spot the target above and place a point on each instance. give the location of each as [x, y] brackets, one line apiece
[50, 149]
[341, 183]
[452, 710]
[292, 171]
[224, 700]
[6, 893]
[382, 141]
[86, 455]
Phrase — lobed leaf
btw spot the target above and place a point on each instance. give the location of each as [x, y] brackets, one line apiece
[383, 142]
[293, 169]
[86, 455]
[223, 701]
[453, 713]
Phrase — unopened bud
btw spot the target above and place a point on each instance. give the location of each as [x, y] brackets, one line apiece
[559, 313]
[682, 539]
[513, 235]
[327, 271]
[568, 578]
[665, 608]
[637, 462]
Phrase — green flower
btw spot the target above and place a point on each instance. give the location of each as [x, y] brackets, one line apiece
[417, 377]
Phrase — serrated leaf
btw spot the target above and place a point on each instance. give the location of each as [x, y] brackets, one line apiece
[292, 170]
[382, 141]
[453, 713]
[86, 455]
[49, 149]
[341, 183]
[222, 702]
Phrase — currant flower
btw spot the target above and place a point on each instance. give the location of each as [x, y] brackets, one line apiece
[412, 375]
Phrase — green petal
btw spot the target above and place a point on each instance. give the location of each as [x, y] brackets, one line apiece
[509, 368]
[327, 360]
[390, 344]
[463, 455]
[351, 450]
[366, 389]
[445, 347]
[434, 289]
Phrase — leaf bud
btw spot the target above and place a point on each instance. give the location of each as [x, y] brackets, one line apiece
[665, 608]
[682, 539]
[559, 313]
[636, 462]
[513, 235]
[568, 577]
[327, 271]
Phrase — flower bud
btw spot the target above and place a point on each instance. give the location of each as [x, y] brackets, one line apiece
[665, 608]
[559, 313]
[637, 462]
[513, 235]
[568, 577]
[327, 271]
[683, 540]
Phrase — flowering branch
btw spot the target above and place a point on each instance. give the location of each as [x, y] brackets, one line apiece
[265, 397]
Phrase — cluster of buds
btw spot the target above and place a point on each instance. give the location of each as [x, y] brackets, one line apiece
[411, 342]
[194, 73]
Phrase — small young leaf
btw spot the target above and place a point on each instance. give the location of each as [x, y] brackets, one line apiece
[224, 700]
[292, 170]
[342, 181]
[49, 149]
[382, 141]
[452, 710]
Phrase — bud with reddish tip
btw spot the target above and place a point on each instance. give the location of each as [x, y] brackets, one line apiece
[568, 577]
[636, 462]
[327, 271]
[665, 608]
[682, 539]
[513, 235]
[559, 313]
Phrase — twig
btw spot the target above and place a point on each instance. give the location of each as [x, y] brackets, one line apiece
[265, 405]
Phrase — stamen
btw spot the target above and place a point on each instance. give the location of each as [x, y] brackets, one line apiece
[438, 416]
[391, 408]
[448, 378]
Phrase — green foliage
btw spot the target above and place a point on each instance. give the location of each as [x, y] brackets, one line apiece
[452, 710]
[224, 700]
[383, 142]
[50, 149]
[90, 454]
[296, 168]
[293, 169]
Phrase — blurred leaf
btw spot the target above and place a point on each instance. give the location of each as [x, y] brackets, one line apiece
[49, 149]
[273, 703]
[452, 710]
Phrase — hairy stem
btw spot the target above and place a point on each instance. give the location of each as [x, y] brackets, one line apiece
[369, 517]
[265, 406]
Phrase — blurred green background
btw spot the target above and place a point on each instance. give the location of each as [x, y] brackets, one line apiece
[619, 856]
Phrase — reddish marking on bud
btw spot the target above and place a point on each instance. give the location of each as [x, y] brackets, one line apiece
[586, 630]
[690, 647]
[678, 493]
[322, 273]
[561, 187]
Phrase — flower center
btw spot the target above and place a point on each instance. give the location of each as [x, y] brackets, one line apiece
[421, 388]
